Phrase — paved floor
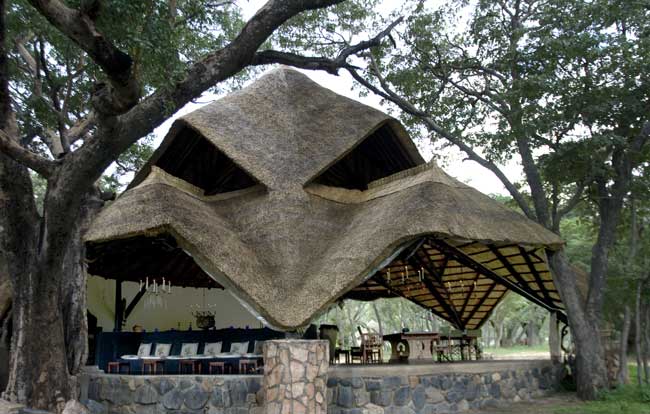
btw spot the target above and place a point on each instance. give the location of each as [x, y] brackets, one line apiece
[432, 368]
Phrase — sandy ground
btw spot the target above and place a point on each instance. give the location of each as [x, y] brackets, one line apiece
[522, 355]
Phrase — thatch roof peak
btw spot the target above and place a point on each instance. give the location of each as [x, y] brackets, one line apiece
[284, 129]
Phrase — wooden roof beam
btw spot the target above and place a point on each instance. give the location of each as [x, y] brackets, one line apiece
[504, 261]
[460, 256]
[396, 292]
[480, 303]
[536, 274]
[448, 306]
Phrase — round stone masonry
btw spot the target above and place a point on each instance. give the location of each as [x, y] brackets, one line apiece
[295, 379]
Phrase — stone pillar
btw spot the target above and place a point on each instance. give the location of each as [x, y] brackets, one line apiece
[295, 376]
[554, 338]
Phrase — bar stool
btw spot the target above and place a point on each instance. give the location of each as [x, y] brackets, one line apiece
[218, 366]
[117, 366]
[247, 366]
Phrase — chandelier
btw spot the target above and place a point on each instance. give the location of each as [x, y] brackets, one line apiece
[157, 292]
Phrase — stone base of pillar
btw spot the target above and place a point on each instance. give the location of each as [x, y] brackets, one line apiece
[295, 376]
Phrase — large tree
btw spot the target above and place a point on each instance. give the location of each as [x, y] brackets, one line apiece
[559, 85]
[83, 82]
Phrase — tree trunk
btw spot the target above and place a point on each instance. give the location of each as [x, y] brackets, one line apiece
[646, 342]
[48, 290]
[637, 329]
[499, 334]
[591, 374]
[623, 374]
[378, 316]
[38, 356]
[532, 333]
[73, 288]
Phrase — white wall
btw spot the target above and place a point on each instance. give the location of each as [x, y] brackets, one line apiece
[101, 303]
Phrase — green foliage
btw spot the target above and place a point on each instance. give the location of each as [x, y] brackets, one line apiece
[327, 31]
[567, 79]
[52, 79]
[128, 163]
[628, 399]
[40, 186]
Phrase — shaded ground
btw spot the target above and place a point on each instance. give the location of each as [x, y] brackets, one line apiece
[546, 405]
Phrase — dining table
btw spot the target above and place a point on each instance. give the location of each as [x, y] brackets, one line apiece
[171, 363]
[411, 346]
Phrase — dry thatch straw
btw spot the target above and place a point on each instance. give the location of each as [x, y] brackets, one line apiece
[283, 237]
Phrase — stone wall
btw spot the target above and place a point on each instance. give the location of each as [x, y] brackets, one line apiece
[124, 394]
[405, 392]
[380, 389]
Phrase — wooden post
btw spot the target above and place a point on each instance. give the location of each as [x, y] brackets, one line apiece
[554, 338]
[118, 306]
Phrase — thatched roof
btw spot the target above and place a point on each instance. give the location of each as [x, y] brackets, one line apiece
[293, 197]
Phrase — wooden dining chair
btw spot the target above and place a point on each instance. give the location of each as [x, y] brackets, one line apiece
[443, 346]
[371, 347]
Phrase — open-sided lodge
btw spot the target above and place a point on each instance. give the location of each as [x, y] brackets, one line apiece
[290, 197]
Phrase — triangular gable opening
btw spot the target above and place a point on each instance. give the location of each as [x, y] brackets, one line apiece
[381, 154]
[194, 159]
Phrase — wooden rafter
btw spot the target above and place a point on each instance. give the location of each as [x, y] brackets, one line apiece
[378, 279]
[469, 296]
[513, 272]
[464, 258]
[538, 277]
[447, 305]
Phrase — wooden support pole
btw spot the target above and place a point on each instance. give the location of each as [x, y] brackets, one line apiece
[119, 315]
[133, 303]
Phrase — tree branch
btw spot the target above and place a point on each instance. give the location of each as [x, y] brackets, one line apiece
[572, 202]
[81, 128]
[322, 63]
[113, 138]
[117, 65]
[19, 154]
[406, 106]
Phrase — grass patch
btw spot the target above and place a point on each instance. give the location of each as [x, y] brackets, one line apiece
[629, 399]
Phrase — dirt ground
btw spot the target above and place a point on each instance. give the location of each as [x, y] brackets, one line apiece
[546, 405]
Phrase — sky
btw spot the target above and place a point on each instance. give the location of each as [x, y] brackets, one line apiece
[466, 171]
